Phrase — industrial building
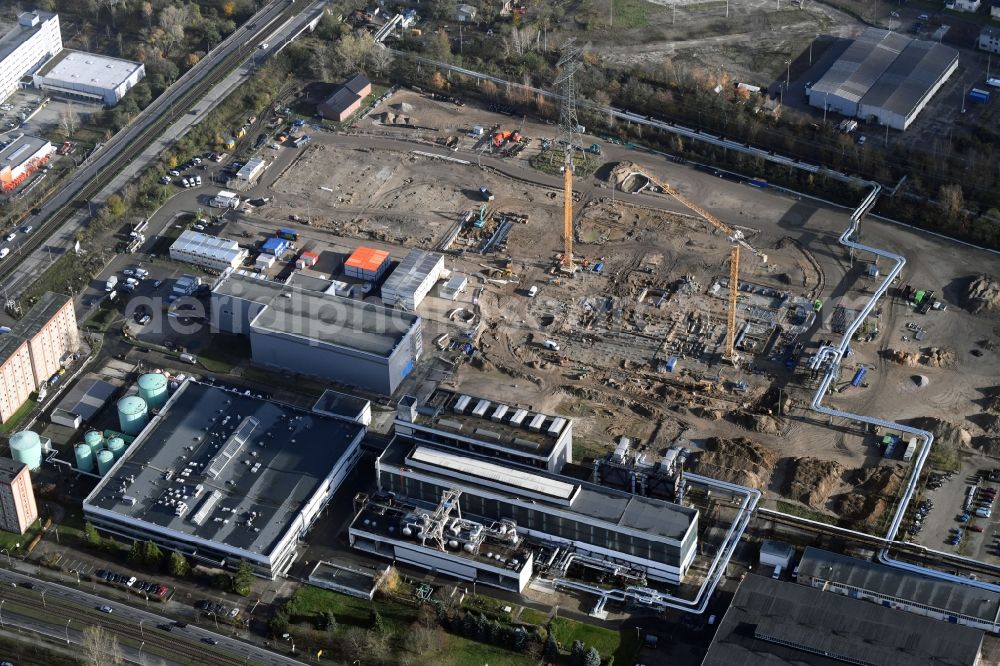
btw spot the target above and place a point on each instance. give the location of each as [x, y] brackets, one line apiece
[82, 402]
[642, 472]
[207, 251]
[485, 519]
[225, 199]
[251, 171]
[34, 350]
[89, 77]
[413, 279]
[774, 622]
[490, 427]
[989, 40]
[884, 77]
[319, 334]
[17, 499]
[346, 99]
[29, 45]
[223, 477]
[21, 158]
[950, 602]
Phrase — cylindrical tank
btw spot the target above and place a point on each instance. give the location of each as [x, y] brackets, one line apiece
[84, 458]
[95, 441]
[153, 389]
[117, 447]
[105, 459]
[26, 447]
[132, 414]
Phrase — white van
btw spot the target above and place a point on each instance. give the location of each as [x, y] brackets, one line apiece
[777, 572]
[551, 344]
[533, 291]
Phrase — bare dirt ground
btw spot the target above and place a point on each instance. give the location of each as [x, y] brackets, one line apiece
[661, 293]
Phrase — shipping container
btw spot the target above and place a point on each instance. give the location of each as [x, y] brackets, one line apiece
[758, 182]
[858, 376]
[978, 95]
[671, 363]
[288, 234]
[911, 448]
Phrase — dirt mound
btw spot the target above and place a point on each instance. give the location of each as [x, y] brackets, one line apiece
[983, 294]
[811, 480]
[934, 357]
[390, 118]
[741, 461]
[861, 509]
[945, 432]
[881, 480]
[762, 423]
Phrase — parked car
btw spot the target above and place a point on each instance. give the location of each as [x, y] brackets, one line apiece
[105, 609]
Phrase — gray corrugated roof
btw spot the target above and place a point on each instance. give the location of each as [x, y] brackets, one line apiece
[860, 66]
[940, 594]
[910, 77]
[773, 622]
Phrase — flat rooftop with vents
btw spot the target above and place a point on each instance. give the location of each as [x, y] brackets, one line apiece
[222, 477]
[498, 429]
[771, 623]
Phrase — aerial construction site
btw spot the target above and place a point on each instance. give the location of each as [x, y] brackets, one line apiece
[688, 308]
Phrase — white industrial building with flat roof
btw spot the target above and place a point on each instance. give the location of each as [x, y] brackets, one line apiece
[89, 77]
[22, 157]
[884, 77]
[411, 281]
[221, 477]
[26, 47]
[212, 252]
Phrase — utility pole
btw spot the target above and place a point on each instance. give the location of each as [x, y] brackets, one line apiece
[568, 65]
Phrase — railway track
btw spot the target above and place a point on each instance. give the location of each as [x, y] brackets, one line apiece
[160, 120]
[155, 639]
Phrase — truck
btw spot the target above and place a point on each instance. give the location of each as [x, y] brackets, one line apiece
[485, 193]
[112, 282]
[993, 82]
[287, 234]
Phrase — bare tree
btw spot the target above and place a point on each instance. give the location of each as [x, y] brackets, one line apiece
[69, 122]
[354, 49]
[101, 648]
[380, 59]
[173, 19]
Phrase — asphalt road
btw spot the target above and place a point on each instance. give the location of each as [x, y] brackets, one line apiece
[61, 239]
[26, 608]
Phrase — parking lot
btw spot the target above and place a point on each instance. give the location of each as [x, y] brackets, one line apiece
[952, 524]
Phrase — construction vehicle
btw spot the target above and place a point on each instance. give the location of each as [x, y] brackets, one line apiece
[594, 149]
[501, 138]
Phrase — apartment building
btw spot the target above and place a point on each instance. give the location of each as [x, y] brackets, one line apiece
[17, 500]
[34, 349]
[25, 48]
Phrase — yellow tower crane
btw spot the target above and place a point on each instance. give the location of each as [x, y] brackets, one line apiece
[567, 258]
[736, 237]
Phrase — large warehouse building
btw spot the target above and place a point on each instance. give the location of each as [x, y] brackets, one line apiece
[884, 77]
[21, 158]
[770, 622]
[319, 334]
[29, 45]
[951, 602]
[223, 477]
[89, 77]
[481, 518]
[412, 279]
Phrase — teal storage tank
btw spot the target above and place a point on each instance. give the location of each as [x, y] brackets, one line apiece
[133, 414]
[117, 447]
[95, 441]
[26, 447]
[84, 458]
[105, 459]
[153, 389]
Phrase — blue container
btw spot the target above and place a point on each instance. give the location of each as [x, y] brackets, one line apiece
[858, 376]
[671, 363]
